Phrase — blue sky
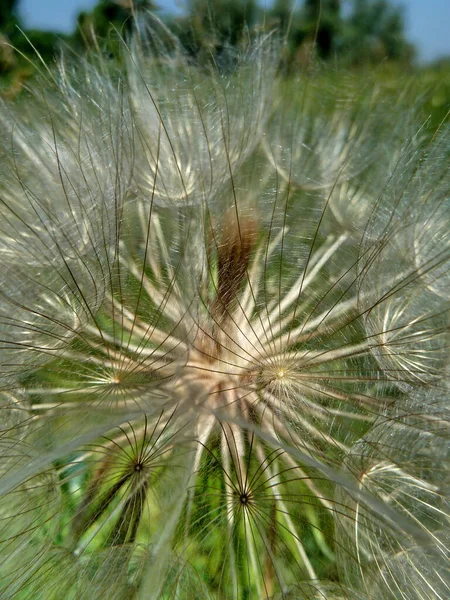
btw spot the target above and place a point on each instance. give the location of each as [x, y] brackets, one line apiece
[427, 21]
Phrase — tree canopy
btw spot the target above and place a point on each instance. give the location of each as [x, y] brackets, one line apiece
[350, 32]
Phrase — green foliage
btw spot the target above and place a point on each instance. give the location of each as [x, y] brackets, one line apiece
[366, 32]
[106, 17]
[209, 27]
[373, 32]
[323, 24]
[369, 31]
[19, 50]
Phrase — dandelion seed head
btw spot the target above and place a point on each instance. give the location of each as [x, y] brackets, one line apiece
[223, 336]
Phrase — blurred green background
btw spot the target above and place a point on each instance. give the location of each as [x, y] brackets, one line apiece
[360, 36]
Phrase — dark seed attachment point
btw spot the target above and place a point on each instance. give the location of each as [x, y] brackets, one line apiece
[244, 498]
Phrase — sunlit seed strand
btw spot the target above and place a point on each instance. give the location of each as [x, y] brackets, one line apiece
[248, 333]
[159, 298]
[305, 279]
[146, 353]
[188, 334]
[231, 523]
[204, 429]
[172, 310]
[166, 357]
[153, 262]
[165, 255]
[252, 336]
[265, 325]
[103, 337]
[292, 530]
[81, 548]
[270, 562]
[259, 323]
[283, 362]
[167, 342]
[345, 351]
[145, 259]
[372, 404]
[313, 328]
[319, 411]
[252, 550]
[173, 288]
[48, 407]
[415, 370]
[220, 366]
[240, 454]
[325, 412]
[114, 361]
[334, 375]
[251, 290]
[234, 438]
[278, 428]
[437, 511]
[271, 457]
[64, 392]
[427, 582]
[159, 364]
[142, 329]
[290, 525]
[226, 343]
[114, 356]
[383, 568]
[260, 327]
[51, 405]
[308, 426]
[85, 456]
[307, 480]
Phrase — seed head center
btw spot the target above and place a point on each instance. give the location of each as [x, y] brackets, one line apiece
[244, 498]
